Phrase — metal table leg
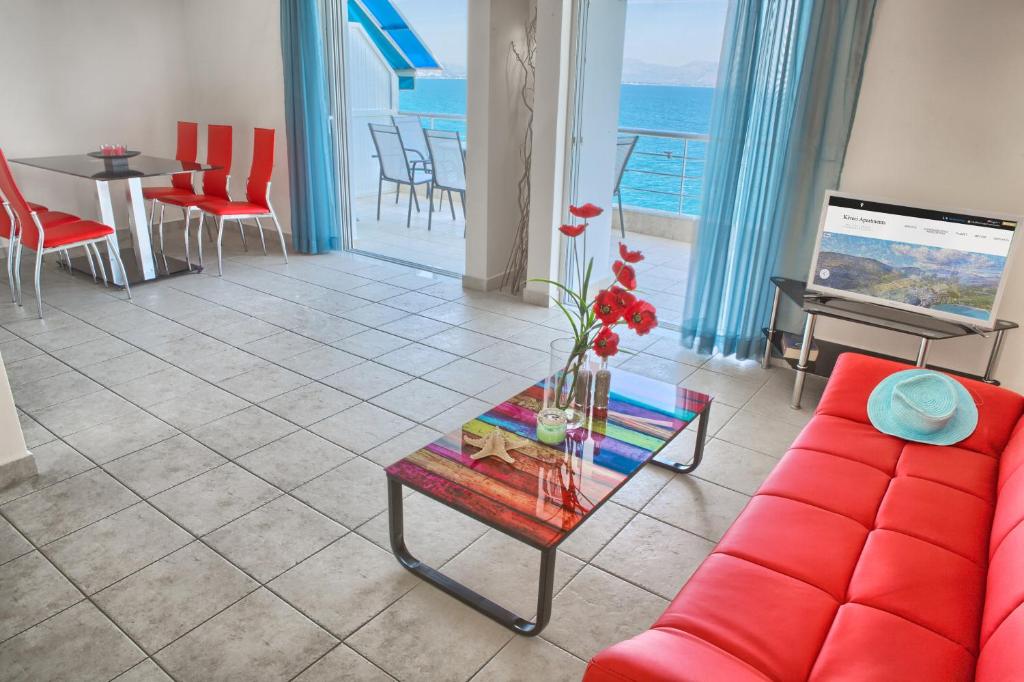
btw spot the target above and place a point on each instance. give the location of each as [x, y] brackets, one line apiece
[461, 592]
[802, 364]
[993, 358]
[922, 352]
[766, 360]
[698, 449]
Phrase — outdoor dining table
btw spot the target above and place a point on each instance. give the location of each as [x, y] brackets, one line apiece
[139, 260]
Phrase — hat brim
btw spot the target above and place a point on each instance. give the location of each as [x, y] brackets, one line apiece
[959, 427]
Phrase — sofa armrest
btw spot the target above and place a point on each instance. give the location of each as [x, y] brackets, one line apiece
[668, 655]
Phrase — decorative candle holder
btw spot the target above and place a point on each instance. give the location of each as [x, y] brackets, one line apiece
[551, 426]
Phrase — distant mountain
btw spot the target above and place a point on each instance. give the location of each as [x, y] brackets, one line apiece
[695, 74]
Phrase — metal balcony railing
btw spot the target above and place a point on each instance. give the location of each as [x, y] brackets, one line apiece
[664, 173]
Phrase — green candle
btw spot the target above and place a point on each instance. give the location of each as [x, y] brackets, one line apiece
[551, 425]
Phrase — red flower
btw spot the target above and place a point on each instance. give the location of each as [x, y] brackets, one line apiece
[630, 256]
[610, 304]
[641, 317]
[625, 274]
[572, 230]
[586, 211]
[606, 343]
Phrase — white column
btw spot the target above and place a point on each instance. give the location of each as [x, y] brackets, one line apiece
[16, 462]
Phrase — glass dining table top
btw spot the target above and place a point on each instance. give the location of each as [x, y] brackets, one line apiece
[91, 168]
[550, 490]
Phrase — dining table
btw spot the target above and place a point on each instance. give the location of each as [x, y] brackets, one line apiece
[139, 260]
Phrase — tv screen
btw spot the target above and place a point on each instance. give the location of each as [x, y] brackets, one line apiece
[948, 264]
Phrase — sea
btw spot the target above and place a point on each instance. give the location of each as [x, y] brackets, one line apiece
[654, 177]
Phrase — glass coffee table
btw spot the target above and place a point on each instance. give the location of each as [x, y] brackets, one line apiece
[548, 491]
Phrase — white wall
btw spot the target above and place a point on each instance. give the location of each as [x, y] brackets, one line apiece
[16, 463]
[67, 88]
[941, 120]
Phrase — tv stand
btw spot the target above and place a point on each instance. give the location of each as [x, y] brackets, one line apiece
[926, 328]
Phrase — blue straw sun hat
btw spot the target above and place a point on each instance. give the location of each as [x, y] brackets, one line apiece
[923, 406]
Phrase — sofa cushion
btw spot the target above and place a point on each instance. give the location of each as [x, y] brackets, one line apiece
[966, 470]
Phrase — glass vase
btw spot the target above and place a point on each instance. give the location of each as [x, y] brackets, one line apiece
[568, 384]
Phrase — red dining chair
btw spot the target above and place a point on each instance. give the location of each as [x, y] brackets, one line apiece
[215, 186]
[48, 231]
[9, 232]
[257, 195]
[181, 183]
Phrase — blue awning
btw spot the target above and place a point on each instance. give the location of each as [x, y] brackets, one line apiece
[398, 43]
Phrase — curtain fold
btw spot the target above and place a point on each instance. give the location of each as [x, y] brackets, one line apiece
[788, 83]
[315, 219]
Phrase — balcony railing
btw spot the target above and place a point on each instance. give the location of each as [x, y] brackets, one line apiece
[664, 173]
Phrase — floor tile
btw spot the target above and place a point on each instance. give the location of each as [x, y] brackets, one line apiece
[15, 349]
[370, 343]
[321, 362]
[263, 383]
[596, 610]
[81, 413]
[643, 486]
[211, 500]
[204, 404]
[374, 314]
[65, 507]
[414, 327]
[412, 301]
[164, 465]
[284, 344]
[147, 671]
[258, 638]
[671, 349]
[507, 571]
[654, 555]
[735, 467]
[597, 531]
[658, 368]
[498, 326]
[106, 442]
[510, 357]
[345, 585]
[454, 417]
[79, 644]
[460, 341]
[159, 387]
[453, 313]
[92, 352]
[166, 599]
[104, 552]
[405, 638]
[31, 590]
[418, 400]
[504, 390]
[309, 404]
[361, 427]
[367, 380]
[241, 332]
[34, 433]
[343, 665]
[731, 390]
[434, 533]
[351, 494]
[49, 392]
[66, 337]
[269, 540]
[55, 461]
[33, 369]
[243, 431]
[531, 658]
[467, 376]
[12, 543]
[416, 359]
[295, 459]
[217, 367]
[756, 432]
[405, 443]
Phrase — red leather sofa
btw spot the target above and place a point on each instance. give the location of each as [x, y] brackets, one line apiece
[862, 557]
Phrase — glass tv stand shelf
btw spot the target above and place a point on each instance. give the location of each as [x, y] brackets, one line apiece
[926, 328]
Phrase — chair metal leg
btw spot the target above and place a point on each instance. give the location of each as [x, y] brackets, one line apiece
[451, 204]
[38, 282]
[622, 220]
[17, 271]
[280, 235]
[99, 261]
[408, 213]
[160, 234]
[412, 190]
[152, 217]
[188, 220]
[220, 257]
[430, 205]
[88, 259]
[116, 253]
[398, 192]
[245, 247]
[462, 197]
[380, 186]
[263, 240]
[12, 245]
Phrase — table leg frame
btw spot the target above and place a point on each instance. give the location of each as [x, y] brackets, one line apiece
[804, 361]
[464, 594]
[698, 449]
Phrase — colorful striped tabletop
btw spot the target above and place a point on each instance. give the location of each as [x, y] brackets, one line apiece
[551, 490]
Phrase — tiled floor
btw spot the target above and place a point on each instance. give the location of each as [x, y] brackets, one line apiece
[211, 500]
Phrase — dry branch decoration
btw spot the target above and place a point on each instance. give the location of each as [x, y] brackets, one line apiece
[514, 278]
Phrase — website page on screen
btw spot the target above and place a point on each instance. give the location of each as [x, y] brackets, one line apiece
[940, 261]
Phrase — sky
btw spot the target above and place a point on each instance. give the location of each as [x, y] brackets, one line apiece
[669, 32]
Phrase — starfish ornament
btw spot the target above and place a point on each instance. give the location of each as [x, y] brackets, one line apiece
[492, 445]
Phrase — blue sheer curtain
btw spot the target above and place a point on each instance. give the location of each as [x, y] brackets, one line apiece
[787, 89]
[311, 165]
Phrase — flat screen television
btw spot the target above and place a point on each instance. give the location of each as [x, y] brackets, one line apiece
[949, 264]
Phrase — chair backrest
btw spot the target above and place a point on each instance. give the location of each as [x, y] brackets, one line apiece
[262, 167]
[623, 150]
[446, 157]
[394, 164]
[188, 144]
[19, 207]
[412, 136]
[218, 153]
